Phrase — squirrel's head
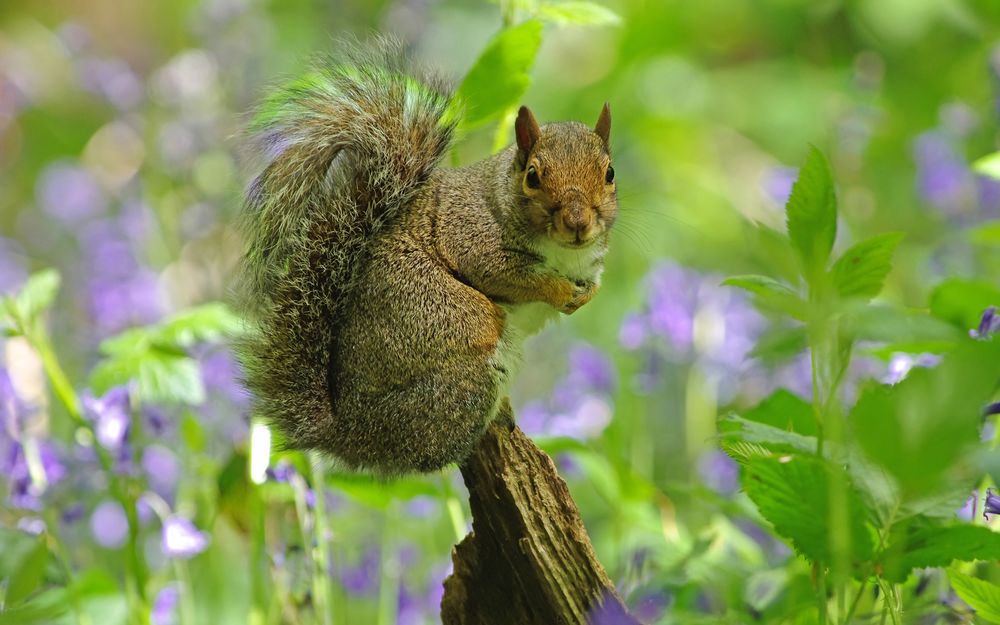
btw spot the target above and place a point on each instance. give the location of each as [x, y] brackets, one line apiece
[565, 179]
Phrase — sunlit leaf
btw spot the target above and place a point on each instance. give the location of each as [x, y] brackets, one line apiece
[916, 429]
[924, 542]
[962, 302]
[29, 574]
[792, 493]
[812, 214]
[577, 12]
[771, 294]
[861, 270]
[988, 165]
[500, 77]
[983, 596]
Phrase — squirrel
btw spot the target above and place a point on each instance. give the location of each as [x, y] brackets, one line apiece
[389, 297]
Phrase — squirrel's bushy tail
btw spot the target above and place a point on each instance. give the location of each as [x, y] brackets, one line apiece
[345, 149]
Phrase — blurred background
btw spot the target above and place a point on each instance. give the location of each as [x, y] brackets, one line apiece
[120, 166]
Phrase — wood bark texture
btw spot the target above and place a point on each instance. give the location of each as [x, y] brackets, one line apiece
[528, 559]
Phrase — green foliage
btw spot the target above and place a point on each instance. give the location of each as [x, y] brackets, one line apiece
[499, 76]
[861, 270]
[792, 493]
[21, 310]
[812, 214]
[28, 575]
[155, 357]
[962, 302]
[988, 165]
[923, 542]
[983, 596]
[918, 428]
[577, 12]
[770, 294]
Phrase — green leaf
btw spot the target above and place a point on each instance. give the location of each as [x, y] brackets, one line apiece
[812, 215]
[861, 270]
[778, 344]
[379, 493]
[29, 574]
[786, 411]
[983, 596]
[890, 324]
[987, 232]
[499, 78]
[160, 375]
[44, 609]
[38, 293]
[920, 427]
[206, 323]
[771, 294]
[962, 302]
[792, 493]
[775, 439]
[988, 165]
[924, 542]
[576, 12]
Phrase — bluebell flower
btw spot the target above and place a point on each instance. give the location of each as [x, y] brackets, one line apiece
[778, 184]
[633, 331]
[968, 510]
[181, 539]
[943, 176]
[111, 416]
[719, 472]
[70, 193]
[162, 468]
[900, 365]
[991, 409]
[165, 606]
[988, 324]
[991, 505]
[109, 525]
[362, 578]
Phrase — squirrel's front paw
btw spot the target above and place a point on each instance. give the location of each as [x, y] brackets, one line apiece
[584, 291]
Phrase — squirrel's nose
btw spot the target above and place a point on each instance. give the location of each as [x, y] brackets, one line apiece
[578, 220]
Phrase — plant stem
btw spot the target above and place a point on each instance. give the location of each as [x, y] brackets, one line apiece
[135, 564]
[321, 572]
[857, 600]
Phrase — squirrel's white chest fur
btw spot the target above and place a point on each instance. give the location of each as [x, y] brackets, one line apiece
[524, 320]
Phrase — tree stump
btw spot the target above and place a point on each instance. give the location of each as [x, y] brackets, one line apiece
[528, 559]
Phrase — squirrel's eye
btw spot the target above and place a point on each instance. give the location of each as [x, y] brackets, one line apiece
[609, 175]
[532, 178]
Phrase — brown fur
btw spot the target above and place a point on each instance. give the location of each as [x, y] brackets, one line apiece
[416, 345]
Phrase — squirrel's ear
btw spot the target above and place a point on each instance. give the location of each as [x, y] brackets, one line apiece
[527, 131]
[603, 127]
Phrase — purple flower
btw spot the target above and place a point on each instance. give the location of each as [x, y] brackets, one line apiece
[24, 489]
[942, 174]
[31, 525]
[73, 513]
[111, 416]
[610, 611]
[900, 365]
[69, 193]
[165, 605]
[13, 271]
[282, 471]
[719, 472]
[161, 465]
[988, 324]
[633, 331]
[181, 539]
[111, 79]
[991, 409]
[991, 505]
[109, 525]
[422, 507]
[362, 578]
[778, 184]
[651, 607]
[967, 511]
[591, 369]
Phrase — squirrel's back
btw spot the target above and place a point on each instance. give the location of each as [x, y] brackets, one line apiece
[345, 149]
